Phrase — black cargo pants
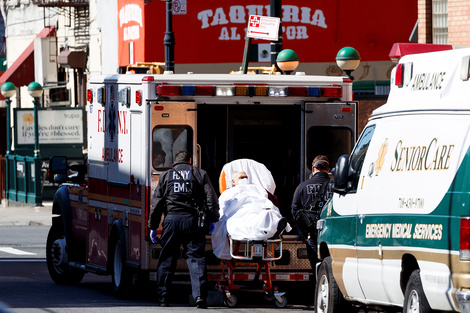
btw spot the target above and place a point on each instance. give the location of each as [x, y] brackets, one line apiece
[182, 229]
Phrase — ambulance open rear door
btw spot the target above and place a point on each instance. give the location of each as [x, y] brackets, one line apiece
[328, 128]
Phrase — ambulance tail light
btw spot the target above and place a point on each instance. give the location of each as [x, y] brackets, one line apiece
[399, 75]
[89, 96]
[465, 238]
[168, 90]
[205, 90]
[225, 91]
[191, 90]
[298, 91]
[278, 91]
[138, 97]
[332, 92]
[148, 79]
[242, 90]
[188, 90]
[313, 91]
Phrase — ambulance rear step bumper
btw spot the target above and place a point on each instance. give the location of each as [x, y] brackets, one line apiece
[463, 298]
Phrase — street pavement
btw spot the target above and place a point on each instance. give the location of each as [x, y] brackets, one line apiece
[20, 214]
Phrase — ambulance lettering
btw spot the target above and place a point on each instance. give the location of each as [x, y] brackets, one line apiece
[418, 158]
[428, 81]
[378, 230]
[122, 122]
[404, 231]
[101, 121]
[112, 155]
[428, 231]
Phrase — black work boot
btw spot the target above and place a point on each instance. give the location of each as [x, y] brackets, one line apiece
[201, 303]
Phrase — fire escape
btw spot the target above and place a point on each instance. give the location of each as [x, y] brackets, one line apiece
[77, 17]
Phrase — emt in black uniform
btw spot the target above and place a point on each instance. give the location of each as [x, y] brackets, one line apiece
[307, 193]
[178, 192]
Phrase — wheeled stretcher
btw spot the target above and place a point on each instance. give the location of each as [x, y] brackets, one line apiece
[256, 255]
[260, 252]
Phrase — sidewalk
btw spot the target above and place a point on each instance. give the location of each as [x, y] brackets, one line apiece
[22, 214]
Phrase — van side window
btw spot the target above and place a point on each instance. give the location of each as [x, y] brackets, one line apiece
[166, 141]
[358, 155]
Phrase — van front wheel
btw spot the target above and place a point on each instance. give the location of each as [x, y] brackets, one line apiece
[328, 297]
[415, 299]
[57, 258]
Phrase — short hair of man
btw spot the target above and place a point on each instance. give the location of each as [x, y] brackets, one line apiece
[321, 162]
[182, 156]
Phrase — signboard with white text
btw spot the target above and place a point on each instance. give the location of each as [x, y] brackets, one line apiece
[58, 126]
[214, 31]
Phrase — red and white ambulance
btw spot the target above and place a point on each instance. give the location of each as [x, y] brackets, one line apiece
[136, 122]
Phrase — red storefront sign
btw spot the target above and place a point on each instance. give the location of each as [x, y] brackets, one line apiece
[211, 31]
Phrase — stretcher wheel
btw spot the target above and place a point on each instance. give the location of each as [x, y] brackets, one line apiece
[230, 301]
[282, 303]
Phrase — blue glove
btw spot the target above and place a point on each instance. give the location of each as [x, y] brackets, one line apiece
[211, 227]
[153, 236]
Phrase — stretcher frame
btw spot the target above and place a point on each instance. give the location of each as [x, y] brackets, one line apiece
[262, 252]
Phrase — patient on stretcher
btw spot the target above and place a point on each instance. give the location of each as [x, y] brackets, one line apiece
[245, 213]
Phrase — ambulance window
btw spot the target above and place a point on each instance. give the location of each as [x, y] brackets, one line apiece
[358, 155]
[166, 141]
[330, 141]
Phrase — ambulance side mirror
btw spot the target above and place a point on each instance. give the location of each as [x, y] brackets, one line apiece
[341, 178]
[57, 172]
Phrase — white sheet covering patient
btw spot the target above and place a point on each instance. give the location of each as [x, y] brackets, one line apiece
[245, 213]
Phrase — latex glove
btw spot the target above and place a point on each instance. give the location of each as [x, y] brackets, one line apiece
[211, 227]
[153, 236]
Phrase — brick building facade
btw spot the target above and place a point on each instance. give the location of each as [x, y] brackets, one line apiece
[444, 22]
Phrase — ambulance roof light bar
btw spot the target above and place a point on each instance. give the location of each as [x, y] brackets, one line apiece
[399, 50]
[333, 91]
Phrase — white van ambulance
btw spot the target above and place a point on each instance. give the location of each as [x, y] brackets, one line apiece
[396, 233]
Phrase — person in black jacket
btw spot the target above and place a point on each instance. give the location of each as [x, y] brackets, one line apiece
[311, 196]
[179, 193]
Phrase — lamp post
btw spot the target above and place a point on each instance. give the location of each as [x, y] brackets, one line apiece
[8, 91]
[35, 91]
[348, 60]
[287, 60]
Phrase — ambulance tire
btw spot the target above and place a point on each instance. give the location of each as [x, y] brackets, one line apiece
[121, 274]
[328, 297]
[56, 259]
[415, 299]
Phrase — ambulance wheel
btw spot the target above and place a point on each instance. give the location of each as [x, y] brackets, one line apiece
[415, 299]
[230, 301]
[121, 274]
[282, 303]
[57, 259]
[328, 297]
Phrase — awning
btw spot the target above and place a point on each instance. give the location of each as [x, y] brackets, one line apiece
[21, 72]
